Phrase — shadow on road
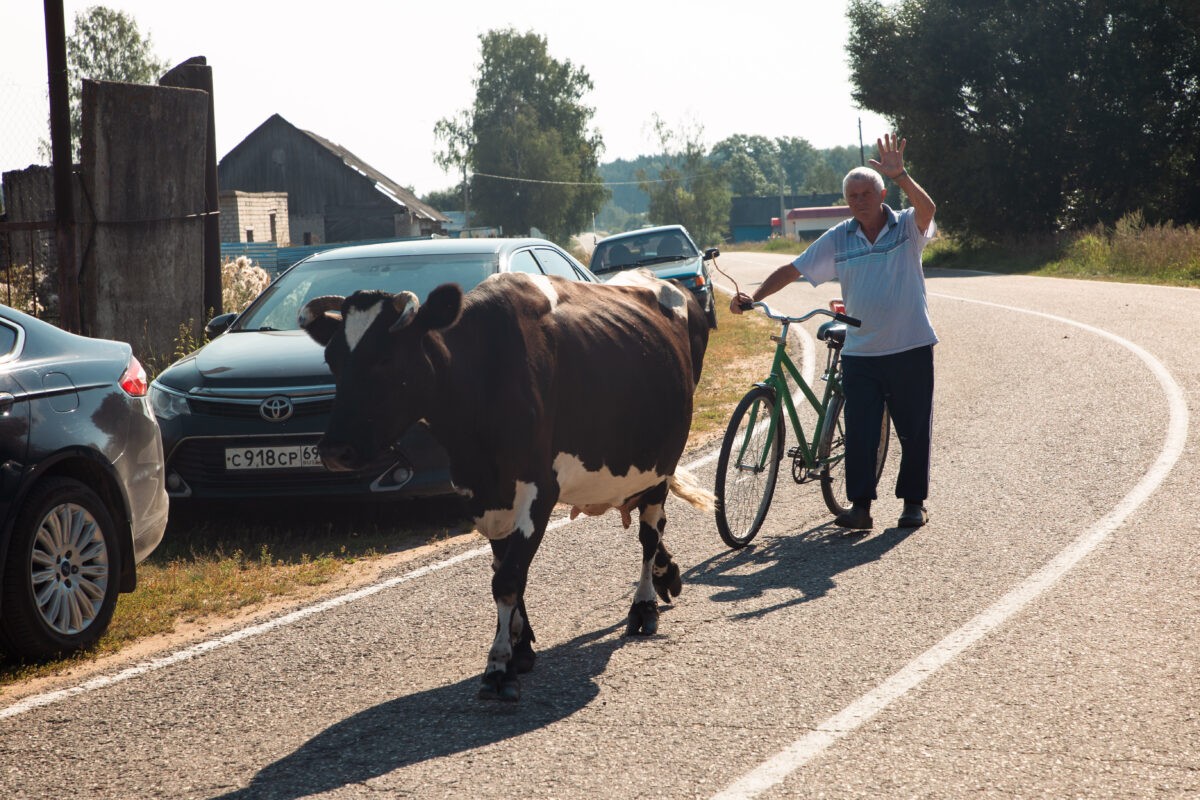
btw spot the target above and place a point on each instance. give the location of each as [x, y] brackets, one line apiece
[438, 722]
[804, 562]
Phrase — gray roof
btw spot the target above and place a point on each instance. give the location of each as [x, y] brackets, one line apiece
[383, 183]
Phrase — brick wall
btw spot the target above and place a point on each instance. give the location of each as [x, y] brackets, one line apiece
[247, 216]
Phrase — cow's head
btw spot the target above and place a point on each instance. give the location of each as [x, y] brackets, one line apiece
[378, 347]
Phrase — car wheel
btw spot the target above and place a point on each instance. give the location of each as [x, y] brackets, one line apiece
[61, 574]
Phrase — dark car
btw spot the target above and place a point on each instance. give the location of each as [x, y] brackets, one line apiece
[82, 497]
[668, 251]
[242, 415]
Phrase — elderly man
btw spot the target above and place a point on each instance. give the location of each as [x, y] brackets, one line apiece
[876, 256]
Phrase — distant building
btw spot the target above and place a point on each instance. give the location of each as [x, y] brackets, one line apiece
[254, 217]
[750, 218]
[331, 194]
[809, 223]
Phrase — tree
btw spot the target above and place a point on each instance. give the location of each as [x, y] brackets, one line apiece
[690, 189]
[746, 178]
[106, 45]
[444, 199]
[456, 136]
[796, 157]
[1036, 116]
[526, 140]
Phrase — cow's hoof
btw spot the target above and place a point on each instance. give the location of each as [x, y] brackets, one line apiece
[669, 584]
[643, 619]
[523, 658]
[500, 685]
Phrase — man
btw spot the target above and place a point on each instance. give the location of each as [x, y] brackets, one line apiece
[876, 256]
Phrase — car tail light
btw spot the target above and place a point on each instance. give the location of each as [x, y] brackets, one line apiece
[134, 380]
[837, 306]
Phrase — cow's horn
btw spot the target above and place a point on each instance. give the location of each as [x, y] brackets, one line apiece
[314, 309]
[406, 304]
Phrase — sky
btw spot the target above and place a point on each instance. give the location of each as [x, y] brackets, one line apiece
[376, 76]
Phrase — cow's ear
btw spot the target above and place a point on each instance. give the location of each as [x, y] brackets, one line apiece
[321, 317]
[442, 307]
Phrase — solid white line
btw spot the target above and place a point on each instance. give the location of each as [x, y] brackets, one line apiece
[805, 749]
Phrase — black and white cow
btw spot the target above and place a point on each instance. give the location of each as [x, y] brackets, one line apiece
[542, 391]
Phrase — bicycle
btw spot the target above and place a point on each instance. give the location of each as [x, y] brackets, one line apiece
[751, 452]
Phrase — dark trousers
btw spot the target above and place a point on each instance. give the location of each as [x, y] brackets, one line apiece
[903, 382]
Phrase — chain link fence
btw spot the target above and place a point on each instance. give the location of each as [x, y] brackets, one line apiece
[28, 265]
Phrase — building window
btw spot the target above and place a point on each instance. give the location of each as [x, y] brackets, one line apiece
[273, 233]
[308, 237]
[249, 234]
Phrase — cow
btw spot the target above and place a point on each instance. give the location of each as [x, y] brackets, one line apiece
[542, 391]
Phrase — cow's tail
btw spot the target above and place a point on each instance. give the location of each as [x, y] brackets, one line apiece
[684, 485]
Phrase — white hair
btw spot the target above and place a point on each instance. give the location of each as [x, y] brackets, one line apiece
[862, 174]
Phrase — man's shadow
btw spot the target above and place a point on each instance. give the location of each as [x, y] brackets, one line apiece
[803, 563]
[438, 722]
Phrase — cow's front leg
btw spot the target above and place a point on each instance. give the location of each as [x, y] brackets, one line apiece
[512, 649]
[660, 574]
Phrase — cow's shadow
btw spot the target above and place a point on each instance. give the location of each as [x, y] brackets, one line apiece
[438, 722]
[802, 564]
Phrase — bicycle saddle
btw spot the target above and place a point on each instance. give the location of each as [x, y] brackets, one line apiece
[832, 331]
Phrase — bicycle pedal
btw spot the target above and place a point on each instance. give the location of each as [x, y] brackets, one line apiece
[794, 452]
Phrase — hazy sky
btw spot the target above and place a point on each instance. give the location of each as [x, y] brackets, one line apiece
[374, 77]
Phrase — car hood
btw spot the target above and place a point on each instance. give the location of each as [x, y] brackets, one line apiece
[683, 268]
[251, 359]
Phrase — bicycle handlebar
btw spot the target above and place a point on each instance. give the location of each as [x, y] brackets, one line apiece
[851, 321]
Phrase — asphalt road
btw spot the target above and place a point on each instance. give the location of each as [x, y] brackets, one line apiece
[1037, 638]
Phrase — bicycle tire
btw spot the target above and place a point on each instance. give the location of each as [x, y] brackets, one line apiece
[745, 486]
[831, 452]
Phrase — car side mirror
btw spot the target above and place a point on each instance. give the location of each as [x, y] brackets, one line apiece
[219, 324]
[711, 253]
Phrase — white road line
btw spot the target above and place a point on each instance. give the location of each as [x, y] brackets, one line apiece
[806, 748]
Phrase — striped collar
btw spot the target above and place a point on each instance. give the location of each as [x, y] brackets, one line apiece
[892, 219]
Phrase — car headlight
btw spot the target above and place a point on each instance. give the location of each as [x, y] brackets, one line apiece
[167, 404]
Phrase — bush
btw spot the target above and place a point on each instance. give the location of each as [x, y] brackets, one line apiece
[241, 282]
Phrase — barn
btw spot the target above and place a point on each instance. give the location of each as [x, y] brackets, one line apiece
[331, 194]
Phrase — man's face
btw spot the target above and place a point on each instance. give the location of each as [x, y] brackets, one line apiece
[864, 200]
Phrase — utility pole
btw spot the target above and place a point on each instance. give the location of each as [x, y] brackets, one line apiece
[862, 153]
[64, 167]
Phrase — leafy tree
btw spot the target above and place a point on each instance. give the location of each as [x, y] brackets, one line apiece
[746, 177]
[445, 199]
[106, 45]
[1031, 116]
[526, 139]
[690, 189]
[796, 157]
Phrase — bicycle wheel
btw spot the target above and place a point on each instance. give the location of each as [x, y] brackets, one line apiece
[748, 466]
[831, 454]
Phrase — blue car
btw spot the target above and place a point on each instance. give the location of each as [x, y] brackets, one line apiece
[669, 252]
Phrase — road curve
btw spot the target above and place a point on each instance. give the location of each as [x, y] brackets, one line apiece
[892, 664]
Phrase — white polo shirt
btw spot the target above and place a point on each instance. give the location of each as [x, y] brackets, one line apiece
[883, 283]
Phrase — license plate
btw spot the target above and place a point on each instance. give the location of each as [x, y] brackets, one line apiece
[287, 457]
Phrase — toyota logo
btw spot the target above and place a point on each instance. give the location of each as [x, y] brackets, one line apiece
[276, 408]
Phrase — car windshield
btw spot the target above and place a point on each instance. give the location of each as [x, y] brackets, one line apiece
[278, 306]
[629, 252]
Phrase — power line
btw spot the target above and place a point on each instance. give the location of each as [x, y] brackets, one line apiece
[573, 183]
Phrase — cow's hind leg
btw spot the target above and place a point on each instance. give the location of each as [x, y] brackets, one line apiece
[660, 574]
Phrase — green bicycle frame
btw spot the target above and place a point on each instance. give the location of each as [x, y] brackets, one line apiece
[781, 367]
